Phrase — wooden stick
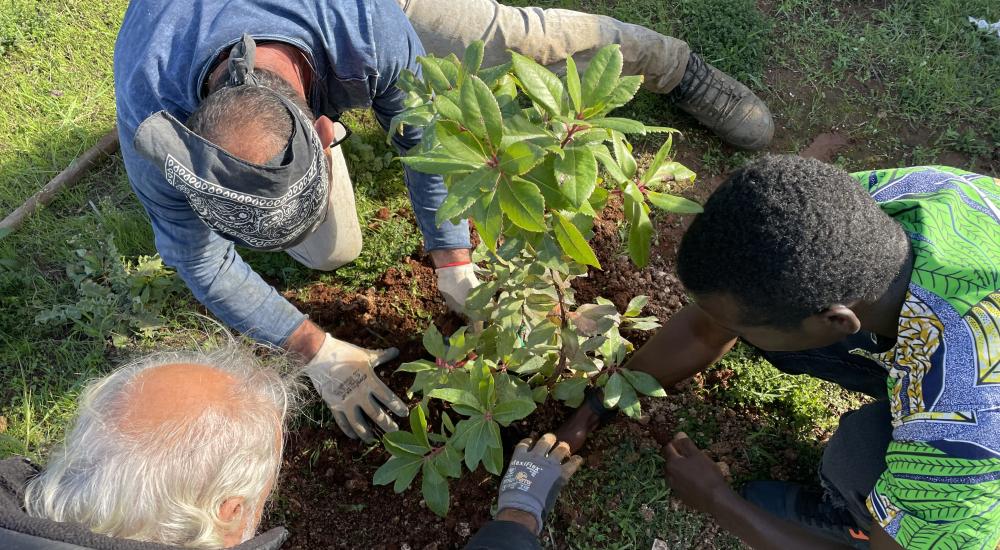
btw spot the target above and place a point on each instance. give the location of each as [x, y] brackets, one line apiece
[72, 174]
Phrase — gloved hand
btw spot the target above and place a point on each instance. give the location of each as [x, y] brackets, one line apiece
[455, 283]
[535, 477]
[343, 374]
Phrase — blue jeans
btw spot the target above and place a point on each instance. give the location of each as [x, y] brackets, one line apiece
[854, 458]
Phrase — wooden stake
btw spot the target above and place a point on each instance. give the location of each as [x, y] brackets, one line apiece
[72, 174]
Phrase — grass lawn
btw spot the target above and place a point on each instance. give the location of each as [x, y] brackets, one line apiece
[897, 83]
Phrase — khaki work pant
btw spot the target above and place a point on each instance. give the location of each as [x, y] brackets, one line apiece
[548, 36]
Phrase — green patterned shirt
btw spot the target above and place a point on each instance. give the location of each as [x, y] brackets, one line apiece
[941, 488]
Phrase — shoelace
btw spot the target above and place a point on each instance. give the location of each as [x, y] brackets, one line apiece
[700, 89]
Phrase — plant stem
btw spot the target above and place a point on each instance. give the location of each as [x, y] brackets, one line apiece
[562, 325]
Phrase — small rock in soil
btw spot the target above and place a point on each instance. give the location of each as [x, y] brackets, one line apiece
[463, 529]
[355, 484]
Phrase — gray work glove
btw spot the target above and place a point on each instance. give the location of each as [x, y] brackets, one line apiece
[343, 375]
[535, 477]
[455, 283]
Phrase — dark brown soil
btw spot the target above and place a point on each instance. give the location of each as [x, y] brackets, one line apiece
[326, 498]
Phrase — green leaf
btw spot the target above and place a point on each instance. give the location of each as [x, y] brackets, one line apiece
[467, 191]
[539, 83]
[623, 153]
[419, 365]
[635, 306]
[573, 84]
[418, 116]
[613, 390]
[540, 394]
[572, 242]
[673, 171]
[522, 202]
[493, 457]
[629, 402]
[460, 145]
[473, 58]
[401, 469]
[435, 490]
[434, 342]
[418, 425]
[570, 391]
[640, 229]
[610, 164]
[576, 174]
[492, 75]
[516, 409]
[434, 74]
[623, 125]
[404, 443]
[602, 74]
[658, 159]
[520, 157]
[671, 203]
[623, 93]
[447, 107]
[544, 177]
[530, 366]
[481, 112]
[478, 440]
[457, 396]
[644, 383]
[437, 164]
[449, 462]
[489, 221]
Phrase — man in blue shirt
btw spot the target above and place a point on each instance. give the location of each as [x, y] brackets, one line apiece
[232, 140]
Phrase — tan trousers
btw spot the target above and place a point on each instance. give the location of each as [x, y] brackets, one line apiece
[548, 36]
[337, 241]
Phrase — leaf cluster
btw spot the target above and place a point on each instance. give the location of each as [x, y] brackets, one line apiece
[114, 296]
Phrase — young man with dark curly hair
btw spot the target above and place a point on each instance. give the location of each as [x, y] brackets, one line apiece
[886, 282]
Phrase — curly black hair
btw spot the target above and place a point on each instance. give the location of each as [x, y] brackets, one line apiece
[788, 237]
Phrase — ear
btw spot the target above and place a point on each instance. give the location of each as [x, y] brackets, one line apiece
[841, 319]
[324, 127]
[231, 508]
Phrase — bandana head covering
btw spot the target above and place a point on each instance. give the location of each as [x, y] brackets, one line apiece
[263, 207]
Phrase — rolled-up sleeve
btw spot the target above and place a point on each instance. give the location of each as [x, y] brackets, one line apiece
[397, 47]
[209, 265]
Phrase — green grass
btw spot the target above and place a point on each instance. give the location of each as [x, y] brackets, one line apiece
[625, 503]
[909, 82]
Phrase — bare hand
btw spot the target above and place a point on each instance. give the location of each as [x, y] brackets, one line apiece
[694, 478]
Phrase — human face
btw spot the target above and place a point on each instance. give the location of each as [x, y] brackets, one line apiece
[816, 331]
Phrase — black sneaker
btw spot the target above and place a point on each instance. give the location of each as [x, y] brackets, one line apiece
[724, 105]
[808, 508]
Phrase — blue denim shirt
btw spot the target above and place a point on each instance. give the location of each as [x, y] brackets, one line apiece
[164, 50]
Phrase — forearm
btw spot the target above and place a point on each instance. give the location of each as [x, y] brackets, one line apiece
[686, 345]
[763, 531]
[238, 296]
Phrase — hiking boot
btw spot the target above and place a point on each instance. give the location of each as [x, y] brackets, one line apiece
[808, 508]
[724, 105]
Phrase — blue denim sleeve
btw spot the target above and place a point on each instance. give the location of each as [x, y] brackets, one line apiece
[209, 264]
[396, 48]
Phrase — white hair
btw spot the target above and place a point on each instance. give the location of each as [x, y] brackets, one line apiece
[167, 485]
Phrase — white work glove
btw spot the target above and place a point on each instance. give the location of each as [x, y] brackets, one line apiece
[455, 283]
[344, 376]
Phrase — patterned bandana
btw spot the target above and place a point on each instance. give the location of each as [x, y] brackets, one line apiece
[263, 207]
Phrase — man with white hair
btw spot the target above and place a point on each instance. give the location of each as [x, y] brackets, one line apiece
[180, 449]
[183, 450]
